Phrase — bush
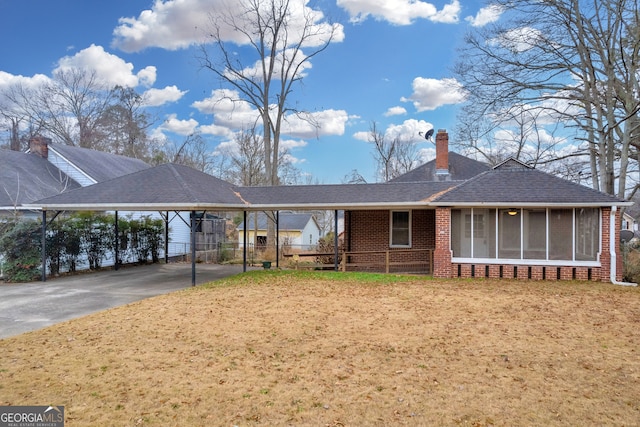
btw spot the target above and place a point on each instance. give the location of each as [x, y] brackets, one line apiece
[21, 248]
[82, 236]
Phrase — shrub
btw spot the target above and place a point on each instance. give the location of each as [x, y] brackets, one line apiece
[21, 248]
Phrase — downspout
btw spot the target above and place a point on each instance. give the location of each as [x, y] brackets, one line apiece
[612, 250]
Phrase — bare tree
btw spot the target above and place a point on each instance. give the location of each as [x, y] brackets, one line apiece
[192, 152]
[393, 156]
[574, 65]
[246, 159]
[283, 37]
[68, 107]
[277, 31]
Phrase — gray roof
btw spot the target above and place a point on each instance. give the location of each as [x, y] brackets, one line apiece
[99, 165]
[287, 221]
[164, 187]
[513, 183]
[25, 178]
[344, 196]
[175, 187]
[461, 168]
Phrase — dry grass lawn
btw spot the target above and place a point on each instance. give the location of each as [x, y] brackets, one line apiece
[325, 349]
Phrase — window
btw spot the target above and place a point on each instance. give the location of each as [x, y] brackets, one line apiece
[535, 233]
[484, 235]
[400, 229]
[526, 234]
[587, 234]
[510, 233]
[560, 233]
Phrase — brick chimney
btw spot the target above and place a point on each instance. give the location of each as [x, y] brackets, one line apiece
[39, 145]
[442, 153]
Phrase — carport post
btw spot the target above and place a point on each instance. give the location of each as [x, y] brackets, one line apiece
[335, 239]
[193, 248]
[44, 245]
[117, 245]
[244, 243]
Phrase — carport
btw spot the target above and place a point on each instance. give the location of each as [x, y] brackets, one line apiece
[177, 188]
[165, 188]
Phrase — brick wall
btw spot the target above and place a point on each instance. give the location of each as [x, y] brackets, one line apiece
[527, 272]
[442, 267]
[367, 231]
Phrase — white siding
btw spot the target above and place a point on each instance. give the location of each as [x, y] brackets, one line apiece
[68, 168]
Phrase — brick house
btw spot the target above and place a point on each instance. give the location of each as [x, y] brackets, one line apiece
[452, 217]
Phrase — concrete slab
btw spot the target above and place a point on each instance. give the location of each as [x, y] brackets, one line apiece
[30, 306]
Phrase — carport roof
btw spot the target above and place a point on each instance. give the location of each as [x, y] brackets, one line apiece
[164, 187]
[177, 187]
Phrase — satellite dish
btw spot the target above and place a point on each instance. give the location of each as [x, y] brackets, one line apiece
[626, 236]
[427, 135]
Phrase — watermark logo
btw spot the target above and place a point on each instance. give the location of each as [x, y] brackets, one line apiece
[31, 416]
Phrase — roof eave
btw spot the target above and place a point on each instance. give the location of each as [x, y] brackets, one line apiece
[531, 204]
[151, 207]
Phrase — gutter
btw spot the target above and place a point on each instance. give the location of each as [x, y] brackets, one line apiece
[612, 250]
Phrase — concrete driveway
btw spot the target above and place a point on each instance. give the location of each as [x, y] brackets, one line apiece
[29, 306]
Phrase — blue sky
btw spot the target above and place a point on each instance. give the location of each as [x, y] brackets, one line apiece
[388, 66]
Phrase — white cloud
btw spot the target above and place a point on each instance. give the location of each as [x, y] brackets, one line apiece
[486, 15]
[230, 111]
[400, 12]
[156, 97]
[181, 127]
[409, 130]
[216, 130]
[317, 124]
[429, 94]
[361, 136]
[178, 24]
[395, 111]
[9, 80]
[294, 61]
[109, 68]
[290, 144]
[520, 39]
[147, 75]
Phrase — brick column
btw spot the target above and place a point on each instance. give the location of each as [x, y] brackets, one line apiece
[442, 254]
[605, 256]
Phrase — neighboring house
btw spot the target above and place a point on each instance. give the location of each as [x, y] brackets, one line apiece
[510, 221]
[47, 169]
[297, 231]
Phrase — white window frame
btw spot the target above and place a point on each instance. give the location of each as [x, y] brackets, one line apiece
[533, 261]
[391, 228]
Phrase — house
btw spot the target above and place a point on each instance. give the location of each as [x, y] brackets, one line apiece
[47, 169]
[296, 231]
[509, 221]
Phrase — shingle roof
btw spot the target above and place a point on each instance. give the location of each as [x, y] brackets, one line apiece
[461, 168]
[99, 165]
[175, 187]
[512, 184]
[161, 187]
[287, 221]
[344, 195]
[25, 178]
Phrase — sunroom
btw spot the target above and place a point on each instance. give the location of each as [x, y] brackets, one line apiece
[550, 236]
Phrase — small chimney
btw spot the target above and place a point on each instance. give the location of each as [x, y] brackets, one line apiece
[40, 145]
[442, 154]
